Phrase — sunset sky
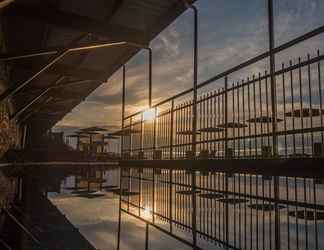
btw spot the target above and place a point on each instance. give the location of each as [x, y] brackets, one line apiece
[230, 32]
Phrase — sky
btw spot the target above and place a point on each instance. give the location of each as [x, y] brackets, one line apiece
[230, 32]
[97, 219]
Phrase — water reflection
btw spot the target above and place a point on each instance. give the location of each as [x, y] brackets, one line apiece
[236, 210]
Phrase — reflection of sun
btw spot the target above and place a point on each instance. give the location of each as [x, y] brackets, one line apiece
[149, 115]
[146, 214]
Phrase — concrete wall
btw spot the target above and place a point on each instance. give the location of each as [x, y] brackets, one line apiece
[9, 132]
[9, 136]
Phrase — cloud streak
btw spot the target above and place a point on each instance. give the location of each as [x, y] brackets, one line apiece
[228, 36]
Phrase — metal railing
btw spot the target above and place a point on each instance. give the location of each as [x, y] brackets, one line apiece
[237, 121]
[235, 209]
[256, 194]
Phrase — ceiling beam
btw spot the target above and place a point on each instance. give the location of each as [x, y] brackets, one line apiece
[68, 70]
[77, 22]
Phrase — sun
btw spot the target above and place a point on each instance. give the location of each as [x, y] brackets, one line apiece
[149, 115]
[146, 213]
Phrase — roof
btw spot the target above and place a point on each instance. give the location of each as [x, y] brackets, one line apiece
[33, 26]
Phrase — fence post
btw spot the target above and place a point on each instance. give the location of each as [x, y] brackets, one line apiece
[194, 127]
[121, 152]
[141, 138]
[171, 130]
[146, 236]
[274, 118]
[226, 157]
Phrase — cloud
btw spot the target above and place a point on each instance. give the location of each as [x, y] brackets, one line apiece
[228, 37]
[97, 221]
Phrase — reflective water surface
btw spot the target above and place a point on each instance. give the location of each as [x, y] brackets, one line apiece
[77, 208]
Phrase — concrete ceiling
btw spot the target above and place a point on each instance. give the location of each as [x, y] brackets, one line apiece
[32, 26]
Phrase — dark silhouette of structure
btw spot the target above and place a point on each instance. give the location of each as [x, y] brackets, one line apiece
[239, 166]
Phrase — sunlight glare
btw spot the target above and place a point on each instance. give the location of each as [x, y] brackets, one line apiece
[146, 213]
[149, 115]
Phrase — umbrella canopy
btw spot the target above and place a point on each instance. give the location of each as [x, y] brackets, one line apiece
[211, 196]
[126, 132]
[87, 133]
[187, 132]
[265, 207]
[263, 119]
[305, 112]
[109, 136]
[233, 125]
[99, 143]
[211, 130]
[77, 136]
[187, 192]
[93, 129]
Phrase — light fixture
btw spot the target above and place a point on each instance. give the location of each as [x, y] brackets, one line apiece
[149, 115]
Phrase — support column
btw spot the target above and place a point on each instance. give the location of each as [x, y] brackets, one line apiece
[121, 151]
[150, 77]
[194, 124]
[146, 236]
[274, 119]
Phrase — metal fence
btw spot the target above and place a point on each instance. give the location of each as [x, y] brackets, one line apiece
[232, 210]
[250, 153]
[237, 121]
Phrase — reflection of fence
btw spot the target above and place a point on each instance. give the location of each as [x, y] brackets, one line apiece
[239, 116]
[241, 209]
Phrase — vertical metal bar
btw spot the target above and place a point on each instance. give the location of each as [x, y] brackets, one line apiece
[122, 146]
[233, 120]
[267, 108]
[272, 77]
[320, 95]
[315, 213]
[261, 112]
[171, 130]
[274, 118]
[170, 199]
[310, 102]
[305, 212]
[141, 134]
[226, 116]
[292, 107]
[238, 120]
[249, 117]
[245, 219]
[243, 107]
[140, 196]
[194, 124]
[288, 217]
[153, 196]
[130, 136]
[284, 109]
[219, 114]
[301, 105]
[255, 116]
[181, 136]
[296, 211]
[146, 236]
[150, 77]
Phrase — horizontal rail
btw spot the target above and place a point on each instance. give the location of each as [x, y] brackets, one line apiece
[247, 63]
[248, 198]
[23, 228]
[161, 229]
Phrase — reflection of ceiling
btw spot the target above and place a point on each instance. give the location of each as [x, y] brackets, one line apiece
[35, 25]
